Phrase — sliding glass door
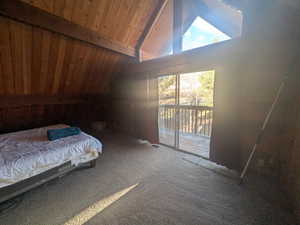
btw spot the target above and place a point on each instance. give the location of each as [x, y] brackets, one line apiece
[186, 110]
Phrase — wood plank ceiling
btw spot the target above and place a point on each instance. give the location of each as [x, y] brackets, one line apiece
[118, 20]
[34, 61]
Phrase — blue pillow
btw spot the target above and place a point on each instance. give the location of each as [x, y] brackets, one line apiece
[55, 134]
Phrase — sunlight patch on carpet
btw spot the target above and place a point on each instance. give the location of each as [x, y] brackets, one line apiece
[98, 207]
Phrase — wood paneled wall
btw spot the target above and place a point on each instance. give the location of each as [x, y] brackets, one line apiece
[266, 64]
[23, 117]
[135, 104]
[38, 62]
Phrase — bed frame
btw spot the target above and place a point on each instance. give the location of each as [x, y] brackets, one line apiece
[21, 187]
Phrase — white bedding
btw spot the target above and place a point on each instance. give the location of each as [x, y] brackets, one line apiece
[27, 153]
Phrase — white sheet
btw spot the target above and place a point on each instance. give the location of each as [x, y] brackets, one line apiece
[27, 153]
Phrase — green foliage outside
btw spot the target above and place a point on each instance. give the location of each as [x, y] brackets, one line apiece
[189, 95]
[167, 85]
[206, 91]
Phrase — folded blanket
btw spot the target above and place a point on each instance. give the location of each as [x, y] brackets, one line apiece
[55, 134]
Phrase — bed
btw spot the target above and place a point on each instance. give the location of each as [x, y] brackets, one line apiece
[29, 159]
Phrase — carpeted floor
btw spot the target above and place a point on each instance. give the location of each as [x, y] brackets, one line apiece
[169, 190]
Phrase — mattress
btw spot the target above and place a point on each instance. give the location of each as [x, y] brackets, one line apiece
[28, 153]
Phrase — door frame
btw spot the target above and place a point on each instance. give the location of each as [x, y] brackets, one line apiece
[177, 117]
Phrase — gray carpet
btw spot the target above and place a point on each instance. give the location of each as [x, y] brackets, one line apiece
[170, 190]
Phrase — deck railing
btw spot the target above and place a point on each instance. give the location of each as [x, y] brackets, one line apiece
[192, 119]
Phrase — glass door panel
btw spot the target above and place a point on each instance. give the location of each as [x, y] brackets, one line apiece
[195, 112]
[167, 109]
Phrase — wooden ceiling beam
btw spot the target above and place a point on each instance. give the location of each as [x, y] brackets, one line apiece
[150, 25]
[198, 59]
[177, 26]
[217, 20]
[28, 14]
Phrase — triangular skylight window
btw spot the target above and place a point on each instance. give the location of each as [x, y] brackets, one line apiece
[202, 33]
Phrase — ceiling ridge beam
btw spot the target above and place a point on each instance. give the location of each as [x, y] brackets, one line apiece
[209, 15]
[34, 16]
[177, 26]
[150, 25]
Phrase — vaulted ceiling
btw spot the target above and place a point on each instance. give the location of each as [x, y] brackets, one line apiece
[119, 20]
[38, 61]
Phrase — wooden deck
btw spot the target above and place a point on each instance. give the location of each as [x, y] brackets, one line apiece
[195, 144]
